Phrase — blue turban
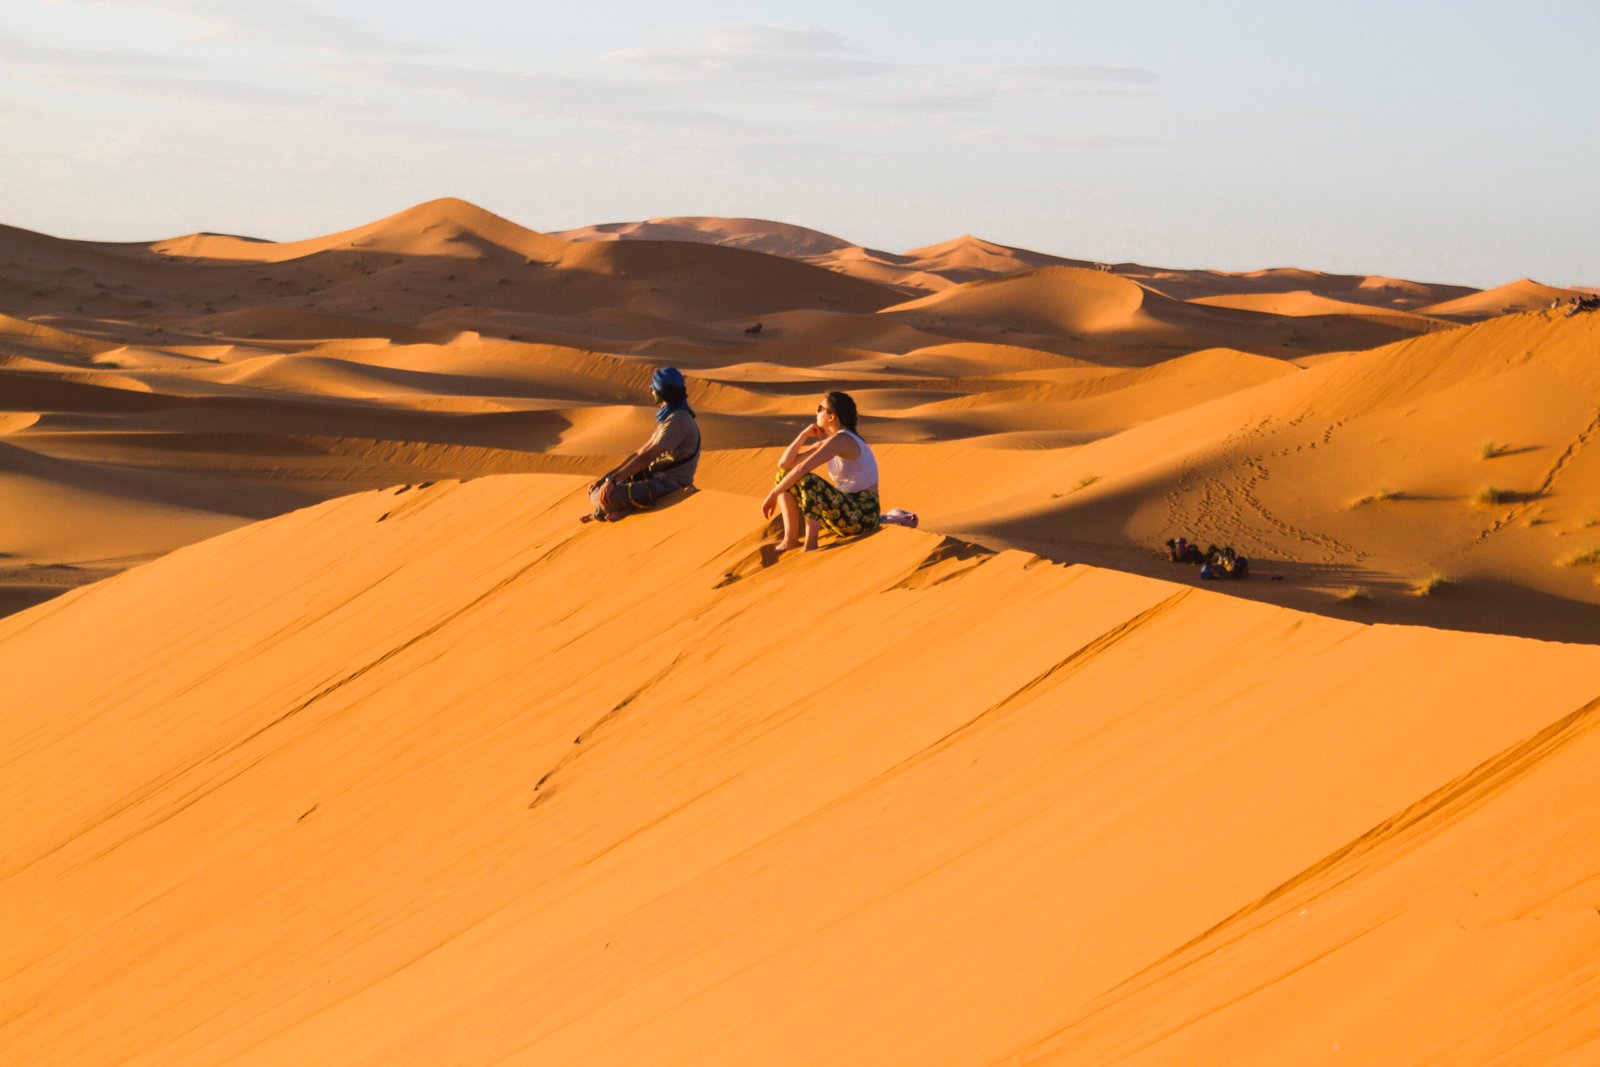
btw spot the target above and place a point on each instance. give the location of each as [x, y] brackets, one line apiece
[670, 378]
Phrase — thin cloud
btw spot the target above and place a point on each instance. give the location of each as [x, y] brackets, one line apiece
[190, 90]
[927, 99]
[146, 73]
[748, 53]
[818, 69]
[1069, 75]
[18, 53]
[956, 92]
[1317, 114]
[764, 37]
[115, 149]
[619, 103]
[290, 23]
[1060, 140]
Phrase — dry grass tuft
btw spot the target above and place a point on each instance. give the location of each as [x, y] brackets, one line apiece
[1086, 481]
[1587, 558]
[1490, 495]
[1490, 449]
[1352, 594]
[1383, 493]
[1430, 585]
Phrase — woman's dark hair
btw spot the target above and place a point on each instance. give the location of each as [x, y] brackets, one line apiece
[843, 407]
[672, 395]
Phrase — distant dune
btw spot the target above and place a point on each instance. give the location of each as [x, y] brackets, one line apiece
[331, 736]
[1524, 294]
[755, 235]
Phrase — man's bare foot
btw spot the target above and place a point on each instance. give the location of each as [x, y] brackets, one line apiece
[613, 516]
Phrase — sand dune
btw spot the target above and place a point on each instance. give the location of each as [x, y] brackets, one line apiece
[1376, 291]
[710, 282]
[25, 336]
[940, 266]
[929, 269]
[401, 815]
[447, 227]
[1363, 473]
[1062, 306]
[1525, 294]
[1301, 302]
[755, 235]
[316, 752]
[1048, 300]
[968, 258]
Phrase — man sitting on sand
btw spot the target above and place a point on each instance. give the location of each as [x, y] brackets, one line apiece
[664, 464]
[846, 502]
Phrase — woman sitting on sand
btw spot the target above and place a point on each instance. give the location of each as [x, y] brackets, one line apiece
[846, 502]
[664, 464]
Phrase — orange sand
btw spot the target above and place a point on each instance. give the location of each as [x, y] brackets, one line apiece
[432, 773]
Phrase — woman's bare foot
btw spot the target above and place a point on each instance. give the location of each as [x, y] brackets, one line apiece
[786, 546]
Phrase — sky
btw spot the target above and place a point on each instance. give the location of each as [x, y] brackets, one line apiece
[1448, 142]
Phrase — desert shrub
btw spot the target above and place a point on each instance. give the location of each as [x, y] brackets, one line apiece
[1490, 495]
[1431, 584]
[1383, 493]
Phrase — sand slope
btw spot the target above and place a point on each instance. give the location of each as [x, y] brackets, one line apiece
[398, 779]
[1362, 474]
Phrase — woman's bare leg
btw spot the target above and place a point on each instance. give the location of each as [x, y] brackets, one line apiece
[791, 521]
[813, 527]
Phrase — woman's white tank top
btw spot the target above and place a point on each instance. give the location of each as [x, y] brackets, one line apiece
[854, 475]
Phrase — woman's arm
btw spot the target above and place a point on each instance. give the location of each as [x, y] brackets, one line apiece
[798, 449]
[813, 459]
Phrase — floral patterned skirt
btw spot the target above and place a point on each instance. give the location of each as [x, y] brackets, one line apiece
[840, 513]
